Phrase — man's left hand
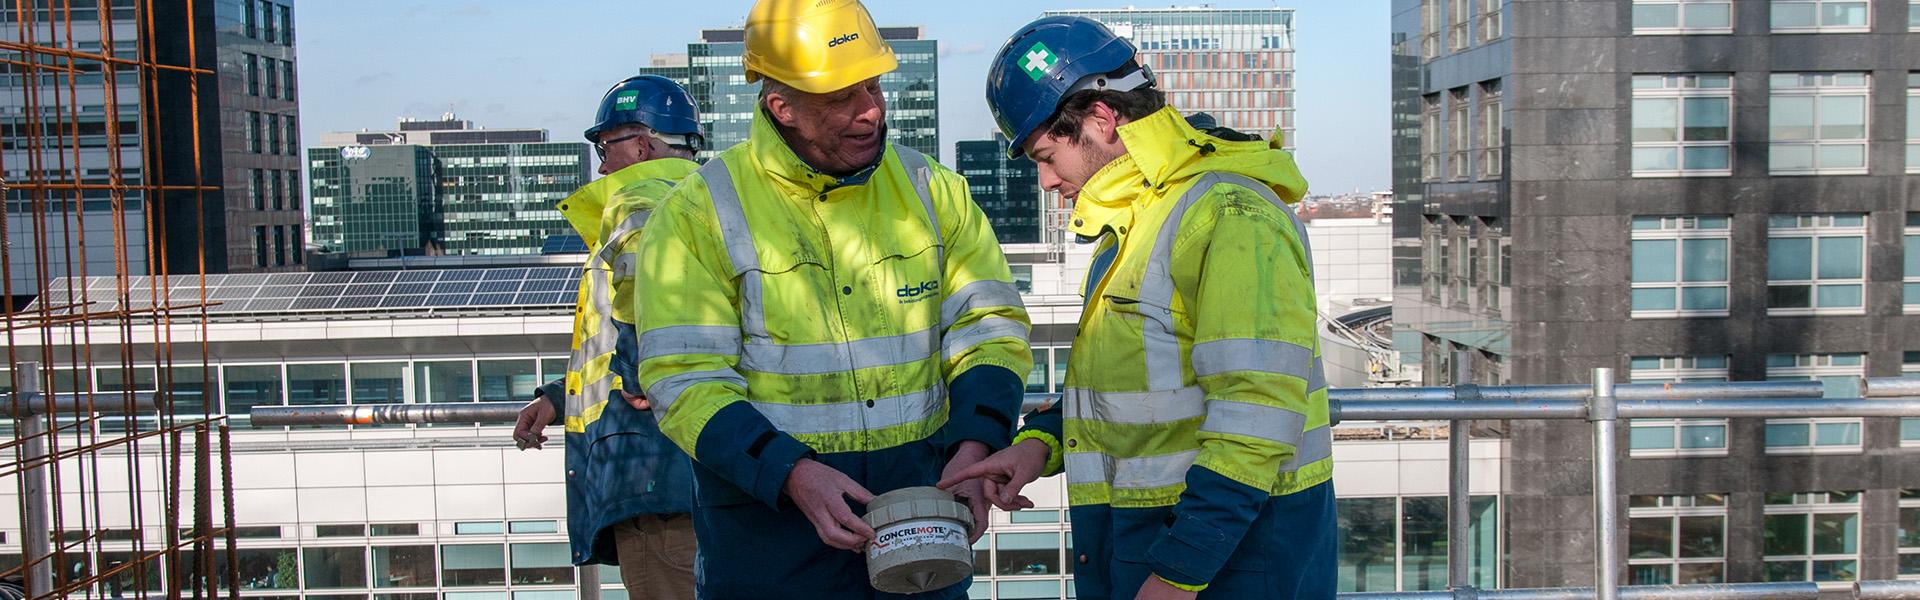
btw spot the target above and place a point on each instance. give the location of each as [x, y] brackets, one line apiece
[1155, 589]
[970, 491]
[637, 401]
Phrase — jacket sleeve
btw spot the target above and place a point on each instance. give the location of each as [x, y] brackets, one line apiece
[984, 351]
[689, 340]
[1247, 283]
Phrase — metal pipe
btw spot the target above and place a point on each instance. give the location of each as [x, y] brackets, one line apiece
[1459, 498]
[1891, 387]
[1798, 590]
[35, 525]
[1770, 408]
[1603, 412]
[589, 578]
[1886, 590]
[374, 414]
[1634, 391]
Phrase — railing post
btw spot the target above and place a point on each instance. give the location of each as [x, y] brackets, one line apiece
[589, 576]
[34, 523]
[1459, 496]
[1603, 411]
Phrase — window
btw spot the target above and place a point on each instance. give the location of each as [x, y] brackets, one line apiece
[318, 384]
[1819, 16]
[393, 529]
[252, 19]
[1678, 437]
[1492, 269]
[291, 142]
[273, 139]
[1908, 535]
[1841, 374]
[443, 381]
[1655, 17]
[279, 246]
[533, 527]
[1037, 376]
[1910, 270]
[1460, 13]
[1677, 539]
[1913, 116]
[257, 187]
[1680, 266]
[1812, 536]
[286, 25]
[1491, 144]
[1430, 138]
[542, 564]
[266, 20]
[1458, 249]
[1913, 15]
[479, 528]
[404, 566]
[1393, 544]
[1429, 28]
[1910, 426]
[248, 386]
[473, 564]
[507, 380]
[1457, 132]
[1818, 123]
[253, 132]
[1816, 264]
[1682, 125]
[278, 188]
[336, 567]
[263, 568]
[1489, 20]
[253, 74]
[1027, 553]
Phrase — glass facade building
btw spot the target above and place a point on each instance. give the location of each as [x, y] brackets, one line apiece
[469, 191]
[1235, 64]
[713, 74]
[1007, 190]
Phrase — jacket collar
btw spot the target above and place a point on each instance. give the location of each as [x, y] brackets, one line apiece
[1164, 151]
[585, 208]
[779, 161]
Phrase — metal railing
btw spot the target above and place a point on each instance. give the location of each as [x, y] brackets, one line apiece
[1602, 403]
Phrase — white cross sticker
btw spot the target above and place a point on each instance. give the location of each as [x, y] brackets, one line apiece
[1036, 60]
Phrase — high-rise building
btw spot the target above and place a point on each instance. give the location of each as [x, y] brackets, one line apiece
[443, 187]
[1680, 191]
[260, 151]
[712, 72]
[1007, 190]
[236, 95]
[1233, 63]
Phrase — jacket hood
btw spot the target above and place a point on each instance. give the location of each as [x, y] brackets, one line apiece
[1162, 151]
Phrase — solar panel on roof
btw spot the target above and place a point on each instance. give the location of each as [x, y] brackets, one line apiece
[411, 288]
[553, 273]
[526, 299]
[366, 289]
[456, 287]
[230, 293]
[279, 291]
[374, 276]
[448, 299]
[358, 302]
[462, 275]
[247, 279]
[492, 299]
[505, 274]
[269, 304]
[495, 287]
[416, 276]
[228, 306]
[547, 285]
[314, 303]
[331, 278]
[288, 278]
[402, 301]
[322, 291]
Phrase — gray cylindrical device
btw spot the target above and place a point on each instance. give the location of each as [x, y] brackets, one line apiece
[919, 540]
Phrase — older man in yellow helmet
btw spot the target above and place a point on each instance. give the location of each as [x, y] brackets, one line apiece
[825, 317]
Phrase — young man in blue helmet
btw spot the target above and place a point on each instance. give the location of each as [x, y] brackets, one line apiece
[1194, 432]
[629, 489]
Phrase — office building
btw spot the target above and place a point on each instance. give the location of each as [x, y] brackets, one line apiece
[260, 155]
[443, 186]
[1007, 190]
[1693, 190]
[713, 74]
[1233, 63]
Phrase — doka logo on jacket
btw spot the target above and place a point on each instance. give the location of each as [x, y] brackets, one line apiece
[844, 39]
[915, 292]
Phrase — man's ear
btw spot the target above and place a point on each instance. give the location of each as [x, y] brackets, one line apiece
[780, 108]
[1105, 121]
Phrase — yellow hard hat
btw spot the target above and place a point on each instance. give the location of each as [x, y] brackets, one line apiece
[816, 46]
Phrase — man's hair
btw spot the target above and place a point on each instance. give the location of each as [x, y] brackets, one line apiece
[1133, 105]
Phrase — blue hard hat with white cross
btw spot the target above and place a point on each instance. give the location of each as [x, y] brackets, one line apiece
[1050, 59]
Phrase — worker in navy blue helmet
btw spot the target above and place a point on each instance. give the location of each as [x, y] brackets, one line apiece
[1195, 433]
[629, 489]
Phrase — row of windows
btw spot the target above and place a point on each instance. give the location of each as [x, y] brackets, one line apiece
[1816, 264]
[1461, 19]
[276, 74]
[282, 187]
[1473, 133]
[1669, 17]
[286, 246]
[1465, 263]
[267, 21]
[1817, 123]
[1808, 536]
[1839, 373]
[269, 133]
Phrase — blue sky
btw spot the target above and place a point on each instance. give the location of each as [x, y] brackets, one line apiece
[364, 63]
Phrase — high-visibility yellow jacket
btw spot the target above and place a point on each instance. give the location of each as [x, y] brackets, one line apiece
[786, 312]
[619, 465]
[1195, 384]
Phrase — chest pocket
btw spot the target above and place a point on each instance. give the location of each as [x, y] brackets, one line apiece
[907, 277]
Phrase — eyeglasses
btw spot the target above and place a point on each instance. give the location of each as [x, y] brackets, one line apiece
[600, 147]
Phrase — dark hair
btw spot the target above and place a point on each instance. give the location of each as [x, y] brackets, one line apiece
[1133, 105]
